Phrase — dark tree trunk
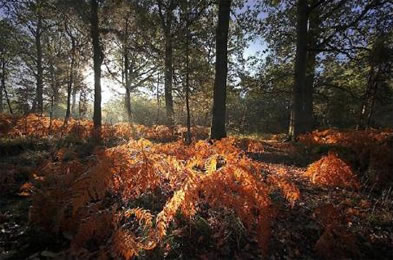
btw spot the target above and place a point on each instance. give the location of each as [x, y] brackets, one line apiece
[308, 92]
[127, 74]
[158, 99]
[128, 105]
[3, 88]
[97, 59]
[128, 98]
[73, 104]
[314, 23]
[51, 114]
[54, 84]
[219, 97]
[2, 85]
[69, 93]
[169, 76]
[80, 105]
[369, 97]
[166, 16]
[39, 106]
[70, 82]
[187, 86]
[8, 99]
[297, 121]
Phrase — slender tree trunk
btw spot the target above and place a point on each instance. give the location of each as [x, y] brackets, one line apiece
[188, 135]
[97, 59]
[70, 82]
[126, 74]
[158, 98]
[369, 97]
[169, 76]
[219, 97]
[2, 85]
[54, 86]
[51, 114]
[73, 104]
[8, 99]
[3, 89]
[372, 104]
[308, 92]
[297, 120]
[39, 89]
[80, 105]
[128, 104]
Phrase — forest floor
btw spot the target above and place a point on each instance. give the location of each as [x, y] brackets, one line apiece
[327, 222]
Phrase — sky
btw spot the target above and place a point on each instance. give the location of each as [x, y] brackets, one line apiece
[255, 46]
[110, 88]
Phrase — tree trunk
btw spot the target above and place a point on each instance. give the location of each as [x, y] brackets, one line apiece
[369, 99]
[39, 106]
[8, 99]
[127, 74]
[128, 104]
[297, 121]
[188, 135]
[80, 105]
[166, 21]
[169, 76]
[97, 59]
[312, 34]
[158, 98]
[2, 85]
[308, 91]
[51, 114]
[219, 97]
[3, 89]
[73, 104]
[70, 82]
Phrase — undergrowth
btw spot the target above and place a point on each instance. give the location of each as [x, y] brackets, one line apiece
[91, 201]
[143, 192]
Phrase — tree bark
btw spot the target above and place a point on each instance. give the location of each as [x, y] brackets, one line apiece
[3, 88]
[2, 85]
[188, 134]
[70, 81]
[166, 21]
[51, 114]
[54, 87]
[369, 99]
[308, 92]
[39, 77]
[312, 34]
[128, 105]
[8, 99]
[169, 76]
[297, 121]
[97, 59]
[219, 97]
[73, 104]
[158, 98]
[127, 74]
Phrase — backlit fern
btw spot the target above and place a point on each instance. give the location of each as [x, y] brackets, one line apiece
[330, 170]
[94, 200]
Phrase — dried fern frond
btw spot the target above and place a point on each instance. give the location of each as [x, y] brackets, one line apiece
[330, 170]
